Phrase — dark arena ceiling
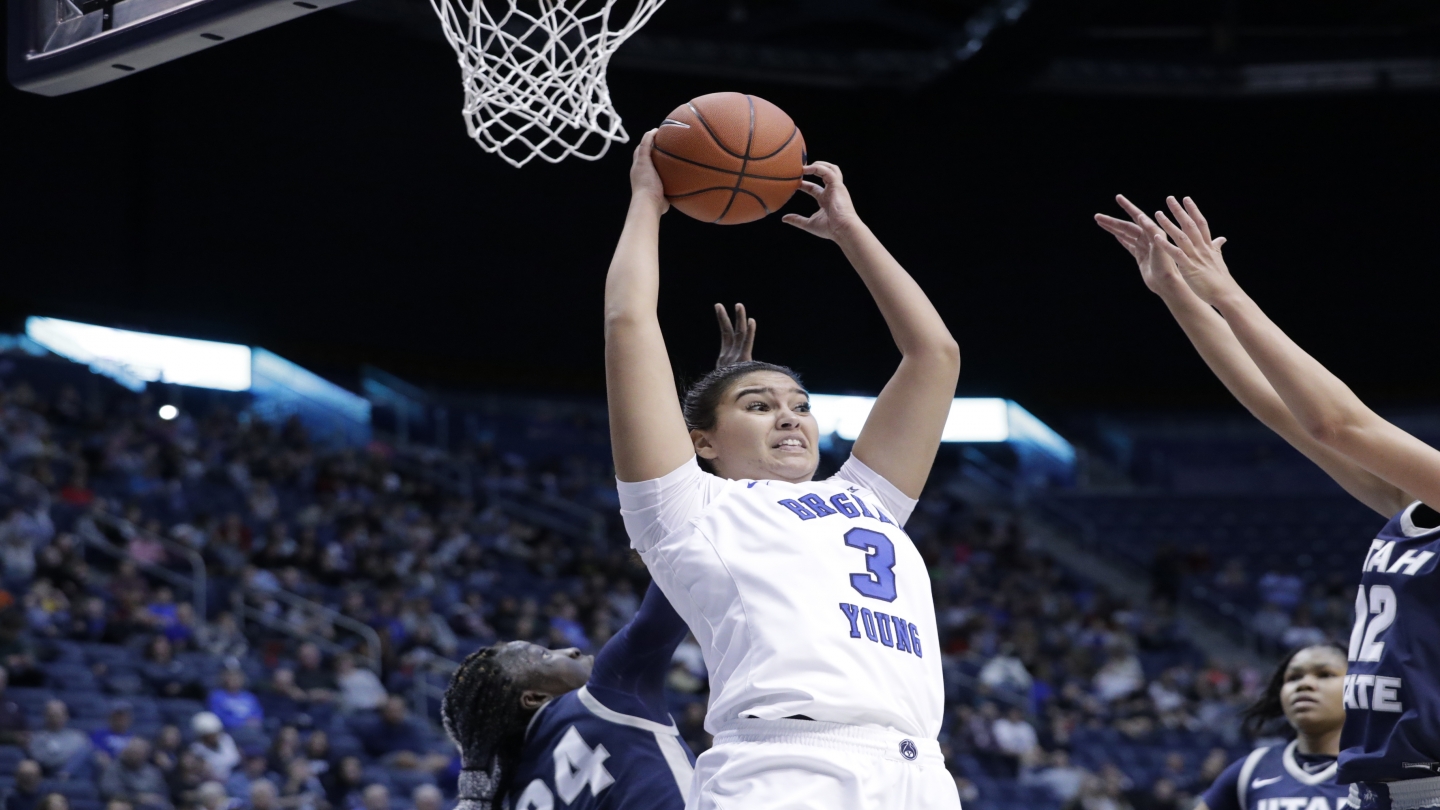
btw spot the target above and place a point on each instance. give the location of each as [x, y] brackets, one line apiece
[310, 188]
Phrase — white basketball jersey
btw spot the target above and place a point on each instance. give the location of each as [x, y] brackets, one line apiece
[808, 599]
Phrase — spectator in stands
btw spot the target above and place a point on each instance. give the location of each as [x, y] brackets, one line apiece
[344, 783]
[17, 552]
[26, 793]
[166, 748]
[1162, 795]
[1121, 675]
[1302, 631]
[53, 801]
[427, 797]
[1283, 589]
[236, 706]
[376, 797]
[16, 654]
[223, 638]
[62, 751]
[131, 777]
[13, 724]
[214, 746]
[311, 675]
[90, 623]
[186, 780]
[317, 753]
[1270, 622]
[77, 492]
[254, 769]
[283, 697]
[1062, 778]
[263, 796]
[213, 797]
[300, 790]
[1006, 672]
[108, 741]
[396, 739]
[1016, 738]
[166, 675]
[420, 613]
[360, 689]
[47, 610]
[283, 750]
[468, 619]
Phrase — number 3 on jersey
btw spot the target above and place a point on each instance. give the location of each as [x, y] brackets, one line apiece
[1364, 639]
[879, 583]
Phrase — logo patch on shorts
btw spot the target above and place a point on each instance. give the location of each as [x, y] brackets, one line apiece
[907, 749]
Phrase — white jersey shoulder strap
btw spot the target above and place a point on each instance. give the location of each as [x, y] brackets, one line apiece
[1246, 771]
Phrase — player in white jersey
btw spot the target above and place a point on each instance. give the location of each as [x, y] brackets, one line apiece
[812, 606]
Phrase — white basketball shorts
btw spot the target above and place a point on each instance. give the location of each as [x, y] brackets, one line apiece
[804, 764]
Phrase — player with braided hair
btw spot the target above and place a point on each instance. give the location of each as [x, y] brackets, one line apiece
[533, 724]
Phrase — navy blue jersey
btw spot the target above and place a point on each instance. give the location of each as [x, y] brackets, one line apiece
[1392, 691]
[1276, 778]
[612, 744]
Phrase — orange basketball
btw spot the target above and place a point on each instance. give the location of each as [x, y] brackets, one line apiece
[729, 158]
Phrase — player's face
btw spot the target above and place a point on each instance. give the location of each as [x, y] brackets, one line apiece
[553, 672]
[763, 430]
[1313, 692]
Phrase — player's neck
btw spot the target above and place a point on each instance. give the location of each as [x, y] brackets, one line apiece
[1327, 743]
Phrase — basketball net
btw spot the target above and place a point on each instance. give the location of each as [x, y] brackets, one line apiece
[534, 73]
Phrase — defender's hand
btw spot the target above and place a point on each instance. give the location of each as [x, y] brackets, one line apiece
[1138, 237]
[1195, 253]
[737, 339]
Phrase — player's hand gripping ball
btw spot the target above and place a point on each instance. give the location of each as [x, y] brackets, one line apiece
[729, 158]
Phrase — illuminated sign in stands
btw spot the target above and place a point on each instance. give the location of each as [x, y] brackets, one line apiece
[279, 389]
[135, 358]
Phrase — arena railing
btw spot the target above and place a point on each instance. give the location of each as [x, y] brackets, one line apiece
[87, 527]
[245, 610]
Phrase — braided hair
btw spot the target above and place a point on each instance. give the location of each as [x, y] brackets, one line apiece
[482, 713]
[1267, 708]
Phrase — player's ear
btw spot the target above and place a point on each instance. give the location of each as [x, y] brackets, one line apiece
[703, 448]
[530, 699]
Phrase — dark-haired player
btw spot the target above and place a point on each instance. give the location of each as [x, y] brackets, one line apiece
[1390, 748]
[540, 729]
[812, 606]
[1305, 689]
[551, 728]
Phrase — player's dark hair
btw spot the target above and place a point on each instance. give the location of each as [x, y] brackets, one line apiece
[702, 399]
[1268, 708]
[481, 712]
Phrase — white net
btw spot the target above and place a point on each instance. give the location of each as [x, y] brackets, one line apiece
[534, 73]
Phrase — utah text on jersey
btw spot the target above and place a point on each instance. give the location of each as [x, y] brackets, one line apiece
[1272, 778]
[1376, 608]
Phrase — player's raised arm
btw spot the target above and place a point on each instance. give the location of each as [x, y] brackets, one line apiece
[903, 430]
[1218, 346]
[647, 431]
[1326, 409]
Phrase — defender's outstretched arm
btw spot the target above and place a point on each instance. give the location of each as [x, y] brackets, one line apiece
[1222, 352]
[903, 430]
[647, 430]
[1327, 410]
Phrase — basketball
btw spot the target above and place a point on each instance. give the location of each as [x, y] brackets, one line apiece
[729, 158]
